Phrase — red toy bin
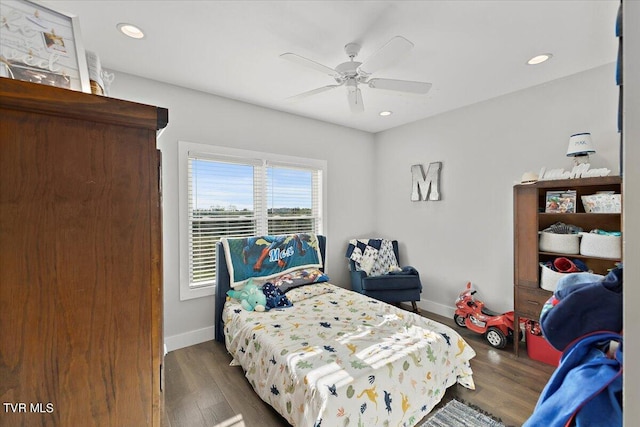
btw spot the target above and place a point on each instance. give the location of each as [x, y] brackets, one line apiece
[539, 348]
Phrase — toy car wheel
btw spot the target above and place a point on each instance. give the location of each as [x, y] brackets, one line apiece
[460, 321]
[496, 338]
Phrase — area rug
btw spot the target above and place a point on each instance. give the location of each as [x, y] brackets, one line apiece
[457, 414]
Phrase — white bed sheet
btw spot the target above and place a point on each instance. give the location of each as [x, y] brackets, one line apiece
[339, 358]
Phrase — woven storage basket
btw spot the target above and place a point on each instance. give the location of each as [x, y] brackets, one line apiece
[602, 246]
[559, 243]
[549, 278]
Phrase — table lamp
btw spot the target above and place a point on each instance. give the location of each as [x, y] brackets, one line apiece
[580, 146]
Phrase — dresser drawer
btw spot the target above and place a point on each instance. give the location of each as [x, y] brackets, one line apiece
[529, 301]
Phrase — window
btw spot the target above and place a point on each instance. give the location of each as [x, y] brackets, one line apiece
[233, 193]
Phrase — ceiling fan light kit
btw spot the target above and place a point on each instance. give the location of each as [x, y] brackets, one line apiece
[352, 49]
[352, 73]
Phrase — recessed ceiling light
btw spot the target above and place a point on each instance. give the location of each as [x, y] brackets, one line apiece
[539, 59]
[386, 113]
[130, 30]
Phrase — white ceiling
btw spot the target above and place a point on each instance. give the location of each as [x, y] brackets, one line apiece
[469, 50]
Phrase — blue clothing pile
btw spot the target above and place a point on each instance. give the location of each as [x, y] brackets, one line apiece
[583, 319]
[586, 389]
[582, 303]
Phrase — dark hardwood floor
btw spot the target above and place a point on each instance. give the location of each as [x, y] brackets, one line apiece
[201, 389]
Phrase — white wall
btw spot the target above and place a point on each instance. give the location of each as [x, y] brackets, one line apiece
[467, 236]
[485, 148]
[208, 119]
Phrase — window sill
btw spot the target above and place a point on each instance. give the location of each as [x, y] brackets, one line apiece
[187, 293]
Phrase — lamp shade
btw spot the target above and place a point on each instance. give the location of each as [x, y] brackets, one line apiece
[580, 145]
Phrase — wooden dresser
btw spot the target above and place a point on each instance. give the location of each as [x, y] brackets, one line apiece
[80, 259]
[530, 217]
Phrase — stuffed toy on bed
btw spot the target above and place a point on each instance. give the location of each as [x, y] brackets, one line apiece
[250, 296]
[275, 297]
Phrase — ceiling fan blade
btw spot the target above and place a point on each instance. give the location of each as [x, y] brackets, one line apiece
[303, 95]
[400, 85]
[388, 54]
[310, 63]
[355, 100]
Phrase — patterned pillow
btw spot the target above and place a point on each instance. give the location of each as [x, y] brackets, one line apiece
[305, 292]
[301, 277]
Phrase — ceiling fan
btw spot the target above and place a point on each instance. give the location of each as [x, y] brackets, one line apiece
[353, 73]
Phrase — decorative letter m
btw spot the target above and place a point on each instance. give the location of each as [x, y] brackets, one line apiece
[428, 186]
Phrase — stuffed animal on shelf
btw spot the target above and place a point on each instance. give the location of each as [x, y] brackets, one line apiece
[250, 296]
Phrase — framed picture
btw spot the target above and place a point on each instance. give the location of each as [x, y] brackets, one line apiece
[561, 202]
[41, 45]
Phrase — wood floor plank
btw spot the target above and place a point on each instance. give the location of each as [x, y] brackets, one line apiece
[201, 389]
[237, 388]
[179, 396]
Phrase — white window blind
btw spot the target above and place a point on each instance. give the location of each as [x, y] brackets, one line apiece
[292, 200]
[236, 197]
[221, 204]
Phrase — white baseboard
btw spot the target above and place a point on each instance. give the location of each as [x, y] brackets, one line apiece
[437, 308]
[186, 339]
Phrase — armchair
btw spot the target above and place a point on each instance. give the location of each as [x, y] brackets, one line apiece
[392, 288]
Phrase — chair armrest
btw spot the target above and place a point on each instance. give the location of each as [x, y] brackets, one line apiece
[406, 271]
[357, 277]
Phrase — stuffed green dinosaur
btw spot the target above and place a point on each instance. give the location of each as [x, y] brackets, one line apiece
[250, 296]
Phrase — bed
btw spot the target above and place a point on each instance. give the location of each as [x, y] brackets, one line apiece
[339, 358]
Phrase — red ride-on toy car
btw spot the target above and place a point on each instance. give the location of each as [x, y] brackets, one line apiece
[472, 314]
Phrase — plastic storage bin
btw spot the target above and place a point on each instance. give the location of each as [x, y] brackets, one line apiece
[538, 348]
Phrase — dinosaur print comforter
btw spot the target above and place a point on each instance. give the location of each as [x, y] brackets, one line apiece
[339, 358]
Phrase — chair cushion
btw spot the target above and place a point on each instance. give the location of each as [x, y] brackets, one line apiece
[391, 282]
